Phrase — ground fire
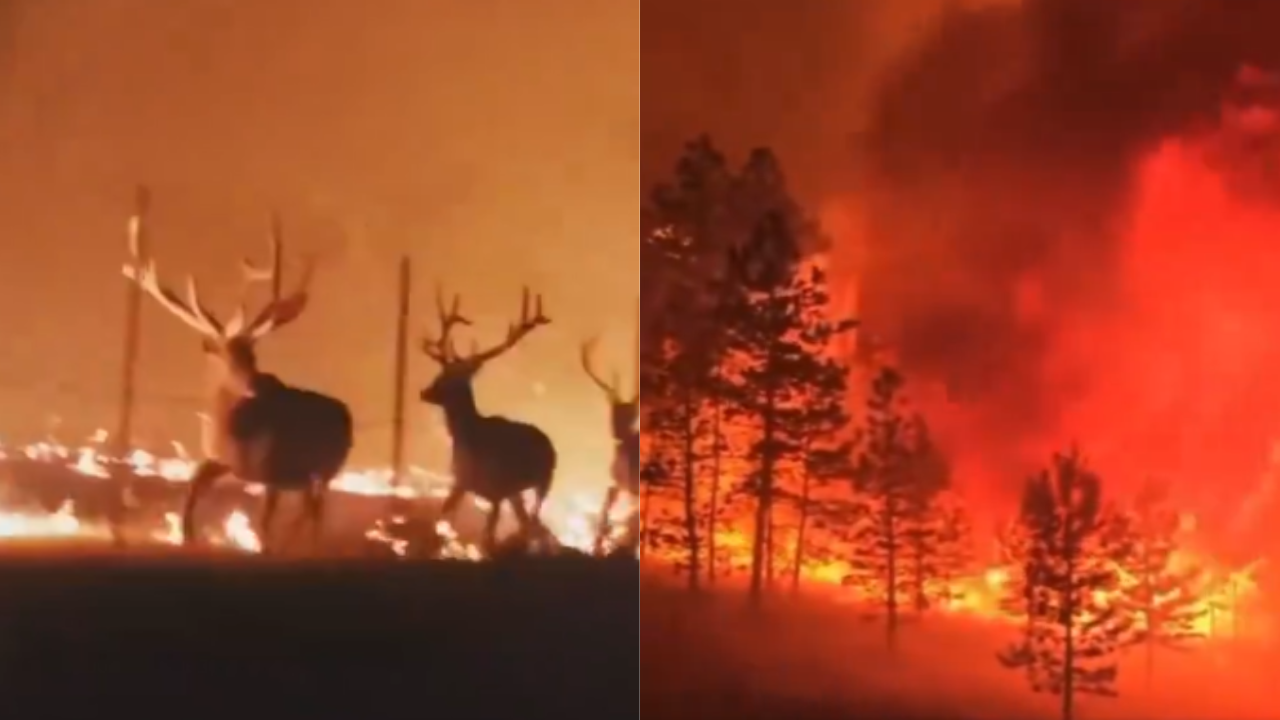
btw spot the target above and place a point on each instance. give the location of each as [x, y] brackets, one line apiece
[573, 519]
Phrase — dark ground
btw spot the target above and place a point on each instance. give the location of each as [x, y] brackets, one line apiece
[191, 637]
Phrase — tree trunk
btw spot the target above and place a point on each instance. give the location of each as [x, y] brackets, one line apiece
[771, 551]
[713, 510]
[690, 492]
[1149, 616]
[1068, 619]
[891, 580]
[921, 600]
[798, 559]
[645, 531]
[765, 500]
[764, 505]
[1150, 660]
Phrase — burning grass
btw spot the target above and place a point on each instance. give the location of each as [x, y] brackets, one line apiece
[572, 518]
[822, 654]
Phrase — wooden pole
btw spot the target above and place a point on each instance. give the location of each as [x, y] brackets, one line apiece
[637, 351]
[277, 240]
[401, 376]
[129, 370]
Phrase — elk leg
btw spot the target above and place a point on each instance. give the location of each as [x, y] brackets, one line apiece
[491, 527]
[312, 514]
[202, 480]
[602, 531]
[315, 512]
[269, 505]
[451, 502]
[527, 522]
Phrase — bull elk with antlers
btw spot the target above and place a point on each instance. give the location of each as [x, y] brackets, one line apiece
[494, 457]
[624, 412]
[257, 428]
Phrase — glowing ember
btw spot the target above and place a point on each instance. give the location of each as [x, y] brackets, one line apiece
[62, 523]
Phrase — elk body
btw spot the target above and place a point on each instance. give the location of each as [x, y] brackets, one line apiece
[625, 469]
[494, 457]
[257, 427]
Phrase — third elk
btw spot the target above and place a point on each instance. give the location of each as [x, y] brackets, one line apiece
[624, 412]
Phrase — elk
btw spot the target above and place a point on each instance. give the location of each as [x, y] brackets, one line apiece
[494, 457]
[623, 415]
[256, 428]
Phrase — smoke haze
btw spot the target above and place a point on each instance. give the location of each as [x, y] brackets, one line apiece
[492, 140]
[1035, 201]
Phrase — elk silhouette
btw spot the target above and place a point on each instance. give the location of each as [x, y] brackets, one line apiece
[257, 428]
[625, 470]
[494, 457]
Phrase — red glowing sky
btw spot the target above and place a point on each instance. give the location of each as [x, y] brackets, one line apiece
[1047, 203]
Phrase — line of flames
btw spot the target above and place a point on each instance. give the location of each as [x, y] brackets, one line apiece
[1222, 597]
[573, 519]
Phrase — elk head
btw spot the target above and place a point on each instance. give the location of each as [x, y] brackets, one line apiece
[453, 385]
[623, 411]
[230, 345]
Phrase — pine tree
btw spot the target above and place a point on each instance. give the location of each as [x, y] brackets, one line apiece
[1163, 597]
[954, 556]
[896, 475]
[824, 451]
[775, 311]
[923, 531]
[673, 425]
[683, 250]
[1017, 589]
[1074, 626]
[653, 476]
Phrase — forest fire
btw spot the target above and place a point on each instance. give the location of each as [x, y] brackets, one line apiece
[777, 454]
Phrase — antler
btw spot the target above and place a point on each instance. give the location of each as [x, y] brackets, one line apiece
[281, 310]
[516, 331]
[192, 312]
[441, 349]
[612, 389]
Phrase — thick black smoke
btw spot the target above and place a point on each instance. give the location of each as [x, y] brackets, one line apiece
[991, 150]
[1001, 153]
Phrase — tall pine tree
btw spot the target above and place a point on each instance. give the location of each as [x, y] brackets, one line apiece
[1074, 625]
[683, 250]
[672, 427]
[778, 330]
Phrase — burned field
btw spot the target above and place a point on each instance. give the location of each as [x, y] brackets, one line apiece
[203, 634]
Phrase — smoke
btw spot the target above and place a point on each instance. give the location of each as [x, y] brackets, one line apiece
[1038, 201]
[1029, 176]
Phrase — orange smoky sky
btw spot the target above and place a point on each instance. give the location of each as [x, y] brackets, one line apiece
[493, 140]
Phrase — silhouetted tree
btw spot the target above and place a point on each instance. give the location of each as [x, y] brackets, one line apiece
[778, 329]
[922, 527]
[1163, 597]
[824, 450]
[673, 426]
[953, 554]
[684, 242]
[1075, 626]
[898, 474]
